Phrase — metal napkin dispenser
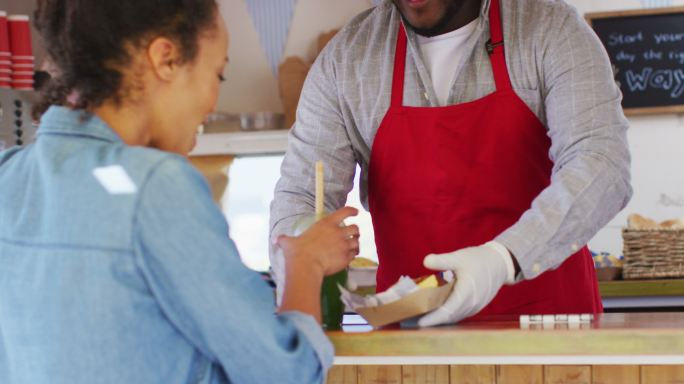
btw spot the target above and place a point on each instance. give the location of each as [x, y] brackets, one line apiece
[17, 127]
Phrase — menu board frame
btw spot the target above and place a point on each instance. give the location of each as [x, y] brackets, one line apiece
[591, 17]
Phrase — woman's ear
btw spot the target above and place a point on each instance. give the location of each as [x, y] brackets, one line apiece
[163, 55]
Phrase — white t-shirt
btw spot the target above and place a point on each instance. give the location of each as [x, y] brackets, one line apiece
[442, 54]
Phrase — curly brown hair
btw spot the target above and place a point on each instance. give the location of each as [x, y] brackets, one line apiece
[89, 41]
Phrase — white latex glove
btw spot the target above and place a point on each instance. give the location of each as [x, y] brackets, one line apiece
[480, 273]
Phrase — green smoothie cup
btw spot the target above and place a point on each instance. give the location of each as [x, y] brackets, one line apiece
[332, 308]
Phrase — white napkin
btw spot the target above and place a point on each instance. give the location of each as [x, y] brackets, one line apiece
[403, 287]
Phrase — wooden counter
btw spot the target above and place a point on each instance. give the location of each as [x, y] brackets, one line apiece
[636, 345]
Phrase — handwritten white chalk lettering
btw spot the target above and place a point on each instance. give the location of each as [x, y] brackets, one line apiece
[677, 56]
[671, 80]
[661, 38]
[619, 38]
[638, 81]
[679, 79]
[624, 56]
[661, 79]
[653, 55]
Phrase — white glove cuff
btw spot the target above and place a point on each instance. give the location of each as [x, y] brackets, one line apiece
[507, 258]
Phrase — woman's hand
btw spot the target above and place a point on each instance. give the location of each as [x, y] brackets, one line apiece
[326, 247]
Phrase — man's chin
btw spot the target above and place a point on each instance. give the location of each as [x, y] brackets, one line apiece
[437, 26]
[427, 31]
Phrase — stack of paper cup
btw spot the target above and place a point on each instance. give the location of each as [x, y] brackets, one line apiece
[22, 52]
[5, 63]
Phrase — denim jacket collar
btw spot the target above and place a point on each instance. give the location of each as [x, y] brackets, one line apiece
[76, 122]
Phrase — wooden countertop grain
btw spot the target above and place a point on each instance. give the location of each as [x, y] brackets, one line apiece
[621, 334]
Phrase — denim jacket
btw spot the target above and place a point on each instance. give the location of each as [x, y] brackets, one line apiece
[116, 267]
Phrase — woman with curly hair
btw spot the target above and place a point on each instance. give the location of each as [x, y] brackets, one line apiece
[115, 264]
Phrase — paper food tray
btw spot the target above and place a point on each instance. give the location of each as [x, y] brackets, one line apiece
[417, 303]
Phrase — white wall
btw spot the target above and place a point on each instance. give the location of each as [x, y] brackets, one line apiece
[250, 85]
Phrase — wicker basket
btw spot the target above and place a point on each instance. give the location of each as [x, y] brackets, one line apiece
[653, 253]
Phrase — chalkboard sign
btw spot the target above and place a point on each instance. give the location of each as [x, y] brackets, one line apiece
[646, 48]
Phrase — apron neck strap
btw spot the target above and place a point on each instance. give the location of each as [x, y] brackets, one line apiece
[495, 48]
[399, 67]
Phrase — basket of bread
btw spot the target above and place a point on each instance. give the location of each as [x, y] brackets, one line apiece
[653, 250]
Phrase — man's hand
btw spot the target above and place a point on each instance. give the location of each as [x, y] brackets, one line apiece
[480, 273]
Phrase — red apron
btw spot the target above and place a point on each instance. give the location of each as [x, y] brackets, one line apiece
[445, 178]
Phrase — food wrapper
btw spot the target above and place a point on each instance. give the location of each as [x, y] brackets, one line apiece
[404, 300]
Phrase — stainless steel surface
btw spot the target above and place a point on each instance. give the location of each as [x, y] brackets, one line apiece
[261, 121]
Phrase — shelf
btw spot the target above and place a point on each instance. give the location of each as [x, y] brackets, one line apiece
[241, 143]
[641, 288]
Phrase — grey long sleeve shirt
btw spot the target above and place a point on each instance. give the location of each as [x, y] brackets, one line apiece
[557, 66]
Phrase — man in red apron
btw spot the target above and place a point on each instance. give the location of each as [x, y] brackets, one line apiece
[444, 182]
[478, 187]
